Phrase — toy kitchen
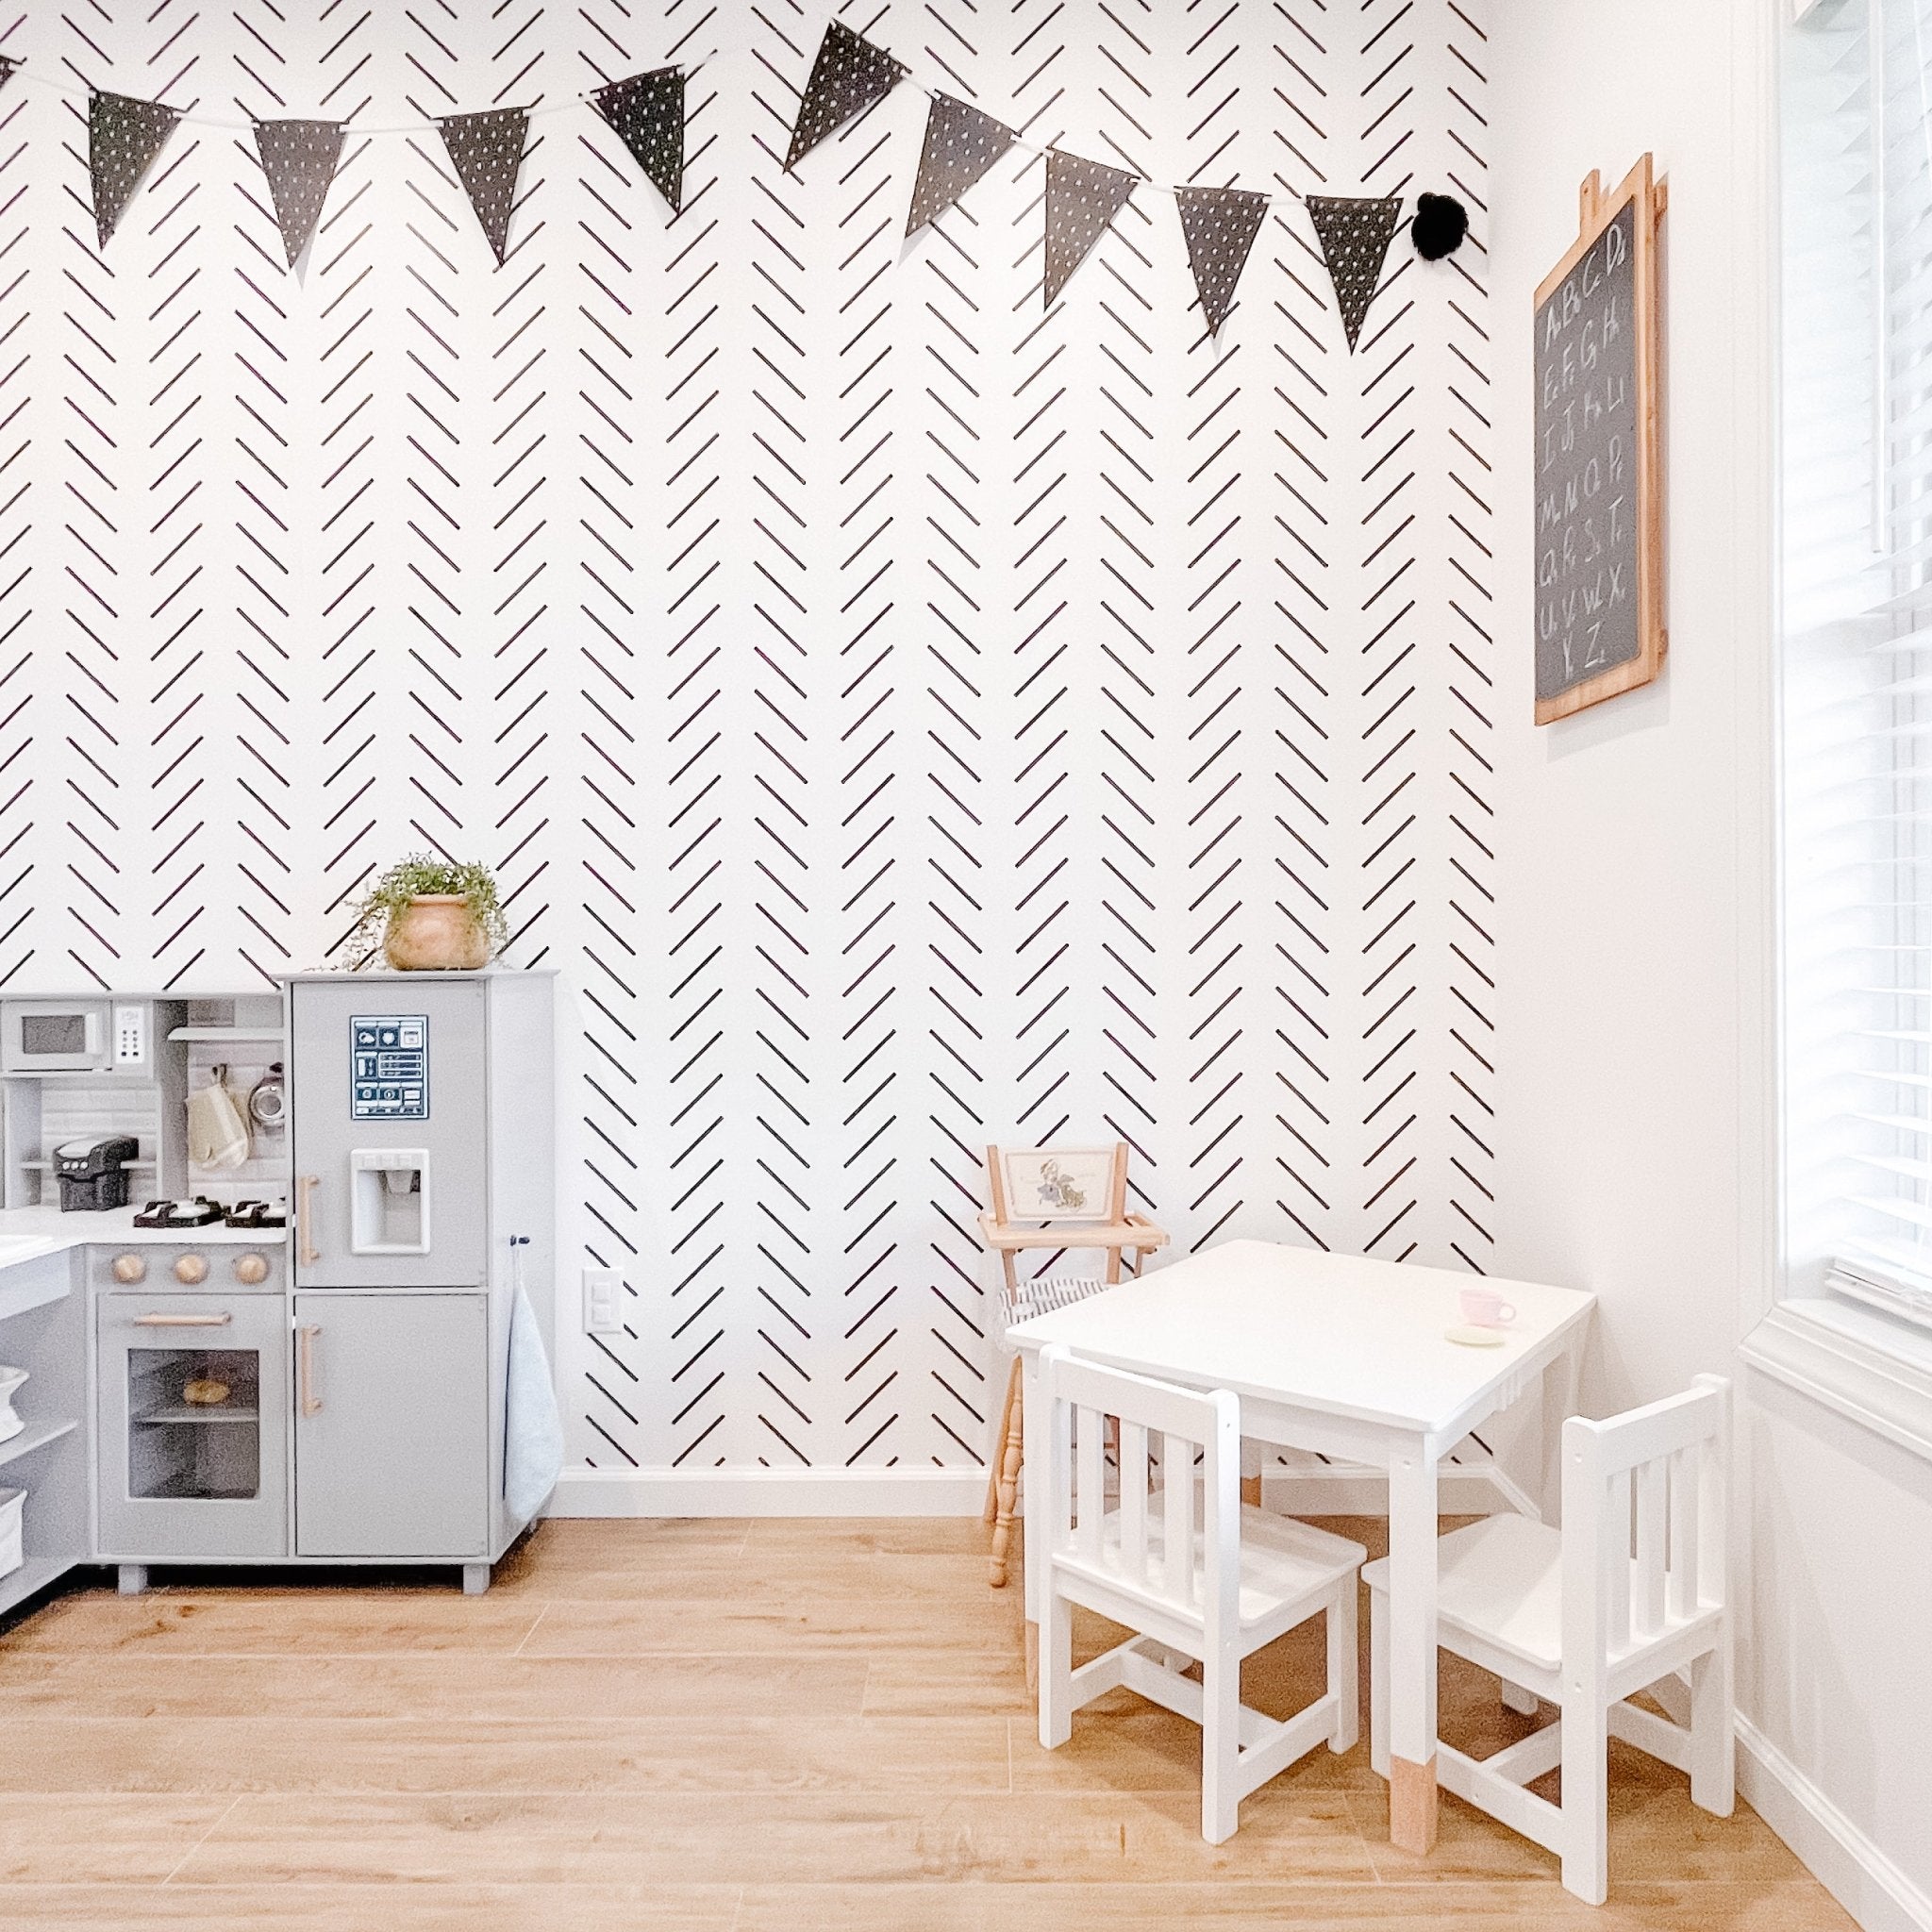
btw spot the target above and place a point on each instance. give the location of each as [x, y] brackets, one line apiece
[262, 1274]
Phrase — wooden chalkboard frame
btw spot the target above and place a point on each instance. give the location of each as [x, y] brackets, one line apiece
[1595, 211]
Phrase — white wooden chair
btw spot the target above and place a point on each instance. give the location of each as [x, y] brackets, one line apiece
[1192, 1569]
[1008, 1230]
[1629, 1595]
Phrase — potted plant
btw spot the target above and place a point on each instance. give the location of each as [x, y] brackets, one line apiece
[430, 915]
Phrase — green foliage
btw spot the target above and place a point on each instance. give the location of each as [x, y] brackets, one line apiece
[420, 875]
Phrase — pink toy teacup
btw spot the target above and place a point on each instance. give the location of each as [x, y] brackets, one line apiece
[1485, 1308]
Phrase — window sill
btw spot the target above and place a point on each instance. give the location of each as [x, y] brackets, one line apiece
[1857, 1361]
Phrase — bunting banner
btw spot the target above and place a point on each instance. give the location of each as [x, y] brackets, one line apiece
[488, 151]
[961, 144]
[1220, 224]
[124, 136]
[299, 158]
[1082, 198]
[849, 74]
[647, 112]
[1355, 234]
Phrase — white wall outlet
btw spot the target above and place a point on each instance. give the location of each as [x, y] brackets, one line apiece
[602, 1286]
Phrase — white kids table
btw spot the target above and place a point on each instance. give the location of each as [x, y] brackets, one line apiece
[1347, 1357]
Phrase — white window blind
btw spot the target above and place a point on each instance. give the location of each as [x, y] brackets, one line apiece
[1856, 679]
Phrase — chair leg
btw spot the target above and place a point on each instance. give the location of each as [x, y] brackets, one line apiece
[997, 1460]
[1713, 1748]
[1221, 1743]
[1378, 1682]
[1057, 1673]
[1525, 1703]
[1344, 1667]
[1586, 1801]
[1011, 1453]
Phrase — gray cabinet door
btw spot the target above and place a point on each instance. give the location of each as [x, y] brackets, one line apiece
[380, 1072]
[391, 1425]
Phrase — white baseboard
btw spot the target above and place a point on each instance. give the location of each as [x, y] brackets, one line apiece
[769, 1492]
[1838, 1854]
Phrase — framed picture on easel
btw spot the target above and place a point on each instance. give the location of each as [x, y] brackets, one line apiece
[1073, 1184]
[1598, 471]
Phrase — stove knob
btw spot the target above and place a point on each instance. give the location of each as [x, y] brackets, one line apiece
[251, 1270]
[129, 1268]
[191, 1269]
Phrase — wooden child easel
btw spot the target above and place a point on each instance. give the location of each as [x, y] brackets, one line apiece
[1120, 1233]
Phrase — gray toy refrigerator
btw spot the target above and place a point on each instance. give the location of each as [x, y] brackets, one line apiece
[423, 1124]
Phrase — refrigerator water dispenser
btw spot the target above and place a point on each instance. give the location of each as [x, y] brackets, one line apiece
[388, 1211]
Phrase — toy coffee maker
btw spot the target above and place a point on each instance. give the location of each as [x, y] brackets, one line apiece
[93, 1173]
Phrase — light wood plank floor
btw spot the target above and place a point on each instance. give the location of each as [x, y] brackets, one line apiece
[739, 1727]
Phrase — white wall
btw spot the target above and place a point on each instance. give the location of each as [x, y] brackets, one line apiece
[907, 718]
[1635, 1138]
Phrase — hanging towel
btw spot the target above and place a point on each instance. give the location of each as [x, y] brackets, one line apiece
[533, 1429]
[217, 1134]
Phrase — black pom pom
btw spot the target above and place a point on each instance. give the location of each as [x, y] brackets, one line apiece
[1440, 222]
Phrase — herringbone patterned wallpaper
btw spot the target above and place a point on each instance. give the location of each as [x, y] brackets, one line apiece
[906, 719]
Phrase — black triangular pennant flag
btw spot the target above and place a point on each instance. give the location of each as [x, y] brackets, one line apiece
[961, 144]
[299, 158]
[488, 150]
[1082, 198]
[1355, 234]
[1221, 225]
[647, 112]
[124, 136]
[849, 74]
[7, 64]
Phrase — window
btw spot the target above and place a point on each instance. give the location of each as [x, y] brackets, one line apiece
[1855, 150]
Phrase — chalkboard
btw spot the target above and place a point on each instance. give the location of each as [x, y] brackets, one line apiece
[1598, 595]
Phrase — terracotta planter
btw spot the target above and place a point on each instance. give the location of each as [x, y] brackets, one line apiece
[436, 932]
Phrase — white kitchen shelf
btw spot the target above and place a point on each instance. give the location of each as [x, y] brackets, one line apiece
[237, 1033]
[34, 1437]
[35, 1574]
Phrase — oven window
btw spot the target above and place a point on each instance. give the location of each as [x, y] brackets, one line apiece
[194, 1429]
[64, 1034]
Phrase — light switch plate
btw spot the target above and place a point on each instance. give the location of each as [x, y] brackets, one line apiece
[602, 1286]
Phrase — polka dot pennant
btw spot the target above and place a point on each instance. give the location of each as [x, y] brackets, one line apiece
[647, 112]
[7, 64]
[124, 136]
[488, 150]
[961, 144]
[849, 74]
[1354, 236]
[1082, 198]
[299, 158]
[1221, 225]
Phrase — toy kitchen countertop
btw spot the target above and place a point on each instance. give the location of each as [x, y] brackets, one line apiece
[28, 1232]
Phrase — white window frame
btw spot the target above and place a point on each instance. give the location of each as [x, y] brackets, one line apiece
[1866, 1364]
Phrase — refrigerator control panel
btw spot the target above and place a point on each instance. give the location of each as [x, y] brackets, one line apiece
[389, 1067]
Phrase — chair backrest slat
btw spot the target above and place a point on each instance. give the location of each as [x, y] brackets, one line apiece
[1686, 1472]
[1133, 1477]
[1177, 1530]
[1146, 1553]
[1652, 1490]
[1090, 1481]
[1645, 1501]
